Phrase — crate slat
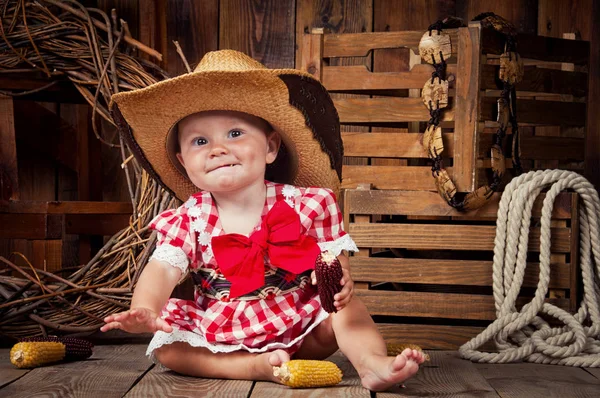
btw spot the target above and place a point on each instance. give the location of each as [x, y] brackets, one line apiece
[401, 145]
[540, 80]
[445, 236]
[437, 305]
[446, 272]
[390, 177]
[385, 110]
[549, 113]
[359, 44]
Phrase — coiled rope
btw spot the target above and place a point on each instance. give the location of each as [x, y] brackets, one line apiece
[523, 335]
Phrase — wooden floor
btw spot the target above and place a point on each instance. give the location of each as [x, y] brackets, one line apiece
[123, 370]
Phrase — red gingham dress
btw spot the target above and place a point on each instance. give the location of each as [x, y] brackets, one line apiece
[280, 314]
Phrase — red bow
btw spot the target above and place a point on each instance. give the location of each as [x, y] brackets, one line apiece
[241, 259]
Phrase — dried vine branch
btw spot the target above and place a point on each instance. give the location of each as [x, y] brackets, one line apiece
[66, 41]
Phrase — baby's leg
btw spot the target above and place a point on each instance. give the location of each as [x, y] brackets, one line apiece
[239, 365]
[318, 344]
[359, 339]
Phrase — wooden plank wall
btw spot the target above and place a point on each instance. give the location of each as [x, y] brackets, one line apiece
[269, 31]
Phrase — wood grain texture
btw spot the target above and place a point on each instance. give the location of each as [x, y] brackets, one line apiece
[540, 147]
[160, 382]
[446, 272]
[336, 17]
[438, 337]
[444, 236]
[390, 144]
[445, 375]
[385, 110]
[359, 45]
[521, 13]
[429, 203]
[437, 305]
[8, 372]
[553, 113]
[541, 80]
[412, 178]
[110, 372]
[194, 25]
[262, 29]
[534, 380]
[349, 387]
[592, 141]
[467, 109]
[9, 175]
[358, 77]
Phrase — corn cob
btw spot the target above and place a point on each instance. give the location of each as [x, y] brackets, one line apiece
[37, 351]
[304, 373]
[394, 349]
[329, 274]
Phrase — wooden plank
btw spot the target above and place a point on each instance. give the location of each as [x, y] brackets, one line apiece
[46, 132]
[594, 372]
[78, 207]
[8, 372]
[592, 140]
[402, 145]
[539, 47]
[539, 80]
[447, 272]
[161, 382]
[110, 372]
[47, 254]
[9, 175]
[349, 387]
[358, 77]
[521, 13]
[312, 54]
[359, 44]
[444, 236]
[385, 110]
[436, 305]
[540, 148]
[263, 30]
[556, 17]
[467, 99]
[553, 113]
[95, 224]
[535, 380]
[417, 178]
[438, 337]
[183, 18]
[430, 203]
[30, 226]
[126, 10]
[446, 375]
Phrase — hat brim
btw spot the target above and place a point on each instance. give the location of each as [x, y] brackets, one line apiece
[296, 105]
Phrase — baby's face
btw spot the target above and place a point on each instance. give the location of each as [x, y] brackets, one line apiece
[225, 151]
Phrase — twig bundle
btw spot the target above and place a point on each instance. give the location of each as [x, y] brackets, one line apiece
[65, 40]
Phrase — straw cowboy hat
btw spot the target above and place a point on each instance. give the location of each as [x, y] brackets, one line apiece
[293, 102]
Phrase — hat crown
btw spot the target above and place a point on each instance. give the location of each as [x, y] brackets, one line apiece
[227, 60]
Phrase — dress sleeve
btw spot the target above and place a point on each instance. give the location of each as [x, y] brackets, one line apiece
[322, 219]
[175, 243]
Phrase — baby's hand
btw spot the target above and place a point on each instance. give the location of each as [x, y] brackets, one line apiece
[345, 295]
[137, 320]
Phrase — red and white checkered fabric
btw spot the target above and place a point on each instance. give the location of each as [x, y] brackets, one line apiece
[254, 325]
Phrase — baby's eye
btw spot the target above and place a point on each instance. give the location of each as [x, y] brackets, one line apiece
[235, 133]
[199, 141]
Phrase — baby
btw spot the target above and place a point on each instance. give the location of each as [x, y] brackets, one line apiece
[256, 156]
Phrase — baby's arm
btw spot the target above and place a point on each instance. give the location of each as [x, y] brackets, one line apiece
[152, 291]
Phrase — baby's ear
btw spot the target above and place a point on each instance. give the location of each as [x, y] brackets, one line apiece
[180, 158]
[273, 144]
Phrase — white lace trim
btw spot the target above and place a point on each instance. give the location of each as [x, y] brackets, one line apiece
[196, 340]
[336, 246]
[172, 255]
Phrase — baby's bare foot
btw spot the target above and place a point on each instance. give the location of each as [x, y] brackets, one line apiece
[380, 373]
[266, 361]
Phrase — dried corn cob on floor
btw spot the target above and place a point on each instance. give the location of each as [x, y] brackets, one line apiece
[123, 371]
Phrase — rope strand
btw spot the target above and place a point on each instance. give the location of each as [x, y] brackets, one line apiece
[572, 344]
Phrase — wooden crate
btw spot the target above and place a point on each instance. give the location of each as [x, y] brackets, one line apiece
[429, 281]
[551, 106]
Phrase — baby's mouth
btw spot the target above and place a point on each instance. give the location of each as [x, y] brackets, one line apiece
[225, 166]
